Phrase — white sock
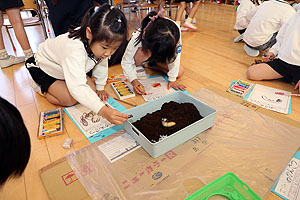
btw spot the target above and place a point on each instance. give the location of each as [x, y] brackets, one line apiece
[28, 53]
[3, 54]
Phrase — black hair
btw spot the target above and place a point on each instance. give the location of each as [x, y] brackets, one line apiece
[14, 142]
[160, 36]
[106, 23]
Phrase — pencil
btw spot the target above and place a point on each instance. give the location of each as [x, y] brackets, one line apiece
[288, 94]
[124, 102]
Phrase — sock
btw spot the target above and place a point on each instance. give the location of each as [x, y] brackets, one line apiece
[28, 53]
[3, 54]
[178, 22]
[189, 20]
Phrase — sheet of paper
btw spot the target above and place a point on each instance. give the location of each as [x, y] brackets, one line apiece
[155, 88]
[89, 122]
[266, 98]
[288, 185]
[119, 147]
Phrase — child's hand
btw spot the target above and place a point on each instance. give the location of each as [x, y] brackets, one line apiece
[268, 57]
[138, 87]
[112, 115]
[103, 95]
[176, 86]
[297, 86]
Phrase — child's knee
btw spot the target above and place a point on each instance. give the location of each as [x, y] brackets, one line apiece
[68, 102]
[250, 73]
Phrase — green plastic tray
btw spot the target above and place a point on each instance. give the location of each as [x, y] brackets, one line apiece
[228, 185]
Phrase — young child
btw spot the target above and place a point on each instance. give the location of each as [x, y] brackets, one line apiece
[265, 22]
[287, 52]
[14, 142]
[158, 42]
[241, 22]
[183, 6]
[62, 66]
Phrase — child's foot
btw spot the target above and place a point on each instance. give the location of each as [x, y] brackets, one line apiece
[251, 52]
[183, 29]
[238, 38]
[189, 25]
[194, 21]
[11, 60]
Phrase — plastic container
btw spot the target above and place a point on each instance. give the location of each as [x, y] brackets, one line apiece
[158, 148]
[228, 185]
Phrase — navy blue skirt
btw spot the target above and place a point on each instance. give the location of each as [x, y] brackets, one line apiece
[6, 4]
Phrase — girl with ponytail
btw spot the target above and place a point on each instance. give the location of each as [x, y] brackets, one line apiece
[62, 67]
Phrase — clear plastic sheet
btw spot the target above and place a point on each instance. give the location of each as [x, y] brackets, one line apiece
[253, 146]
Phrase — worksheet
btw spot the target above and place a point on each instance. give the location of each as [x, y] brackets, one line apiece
[119, 147]
[93, 126]
[265, 97]
[288, 184]
[155, 88]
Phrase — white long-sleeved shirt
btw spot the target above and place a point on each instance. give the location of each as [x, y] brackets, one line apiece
[265, 20]
[241, 20]
[66, 59]
[128, 63]
[287, 45]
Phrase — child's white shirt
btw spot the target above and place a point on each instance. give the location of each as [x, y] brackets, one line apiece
[287, 45]
[66, 59]
[128, 63]
[265, 20]
[241, 20]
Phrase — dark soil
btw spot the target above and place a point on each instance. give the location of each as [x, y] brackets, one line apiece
[183, 114]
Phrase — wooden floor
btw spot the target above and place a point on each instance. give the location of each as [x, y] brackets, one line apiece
[209, 57]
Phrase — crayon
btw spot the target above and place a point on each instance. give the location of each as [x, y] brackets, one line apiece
[124, 90]
[244, 82]
[246, 86]
[236, 91]
[57, 117]
[240, 87]
[287, 94]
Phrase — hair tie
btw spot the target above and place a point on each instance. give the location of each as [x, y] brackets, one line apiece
[160, 13]
[96, 8]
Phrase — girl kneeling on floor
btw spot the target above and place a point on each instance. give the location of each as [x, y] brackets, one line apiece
[62, 67]
[157, 44]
